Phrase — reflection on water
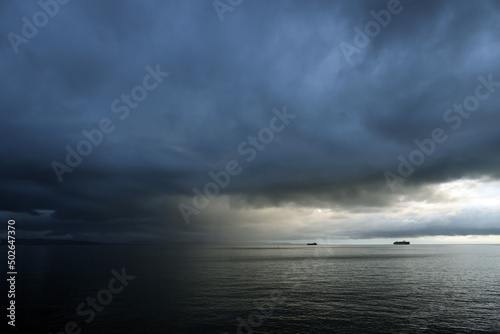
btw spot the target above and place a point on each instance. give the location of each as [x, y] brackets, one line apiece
[312, 289]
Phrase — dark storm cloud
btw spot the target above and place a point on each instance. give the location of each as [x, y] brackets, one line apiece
[353, 120]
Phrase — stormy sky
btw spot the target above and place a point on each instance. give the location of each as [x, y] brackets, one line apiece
[251, 121]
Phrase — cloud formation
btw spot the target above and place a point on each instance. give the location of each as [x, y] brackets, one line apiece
[324, 174]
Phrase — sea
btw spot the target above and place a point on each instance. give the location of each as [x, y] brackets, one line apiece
[260, 289]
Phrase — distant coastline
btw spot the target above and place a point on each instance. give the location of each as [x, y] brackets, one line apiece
[38, 241]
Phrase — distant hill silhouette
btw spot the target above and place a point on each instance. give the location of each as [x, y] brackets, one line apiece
[38, 241]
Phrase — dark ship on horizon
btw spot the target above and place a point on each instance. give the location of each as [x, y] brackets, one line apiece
[401, 242]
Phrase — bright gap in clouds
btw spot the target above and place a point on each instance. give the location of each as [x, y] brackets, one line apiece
[482, 193]
[460, 211]
[454, 200]
[451, 198]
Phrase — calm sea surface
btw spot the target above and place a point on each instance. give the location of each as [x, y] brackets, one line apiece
[301, 289]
